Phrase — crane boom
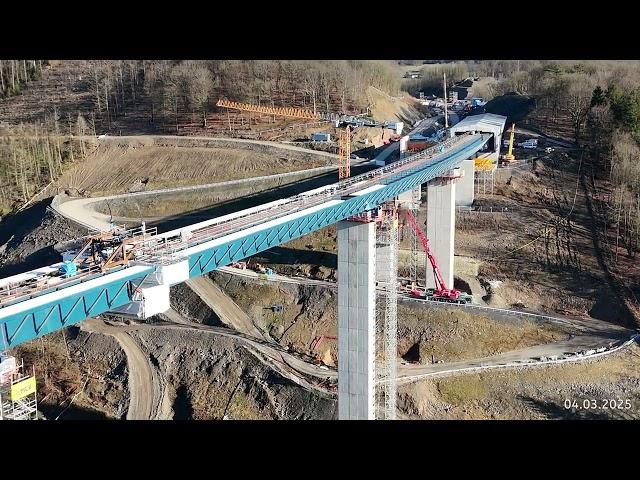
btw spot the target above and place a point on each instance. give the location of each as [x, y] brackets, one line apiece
[509, 157]
[280, 111]
[441, 293]
[440, 283]
[336, 118]
[344, 136]
[513, 131]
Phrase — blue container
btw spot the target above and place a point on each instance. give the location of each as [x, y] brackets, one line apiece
[68, 269]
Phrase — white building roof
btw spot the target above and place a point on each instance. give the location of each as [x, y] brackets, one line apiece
[486, 122]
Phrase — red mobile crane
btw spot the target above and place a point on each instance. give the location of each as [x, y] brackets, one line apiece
[441, 293]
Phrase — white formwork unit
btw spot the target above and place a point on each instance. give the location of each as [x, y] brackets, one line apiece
[465, 187]
[441, 218]
[484, 123]
[356, 320]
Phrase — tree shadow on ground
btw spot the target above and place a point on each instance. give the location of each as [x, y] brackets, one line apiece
[22, 223]
[51, 412]
[14, 231]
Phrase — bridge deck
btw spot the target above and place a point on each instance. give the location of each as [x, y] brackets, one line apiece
[216, 242]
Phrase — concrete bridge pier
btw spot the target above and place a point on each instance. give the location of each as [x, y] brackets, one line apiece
[356, 320]
[441, 224]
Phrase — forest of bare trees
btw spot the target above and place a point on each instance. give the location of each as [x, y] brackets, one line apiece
[625, 201]
[170, 90]
[16, 74]
[30, 158]
[614, 123]
[161, 94]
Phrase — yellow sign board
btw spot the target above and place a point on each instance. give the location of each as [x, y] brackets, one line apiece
[22, 389]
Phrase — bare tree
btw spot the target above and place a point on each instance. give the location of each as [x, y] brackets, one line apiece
[200, 85]
[578, 101]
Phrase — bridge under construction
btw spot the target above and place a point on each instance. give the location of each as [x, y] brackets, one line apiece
[131, 271]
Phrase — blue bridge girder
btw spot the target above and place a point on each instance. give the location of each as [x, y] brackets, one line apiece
[51, 311]
[72, 305]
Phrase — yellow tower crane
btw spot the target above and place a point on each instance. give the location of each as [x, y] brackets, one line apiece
[344, 122]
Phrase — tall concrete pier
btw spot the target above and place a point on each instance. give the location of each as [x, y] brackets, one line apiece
[356, 320]
[441, 221]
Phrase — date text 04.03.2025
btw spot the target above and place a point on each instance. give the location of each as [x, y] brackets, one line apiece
[601, 404]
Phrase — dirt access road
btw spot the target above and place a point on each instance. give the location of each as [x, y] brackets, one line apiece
[408, 373]
[141, 385]
[223, 306]
[294, 368]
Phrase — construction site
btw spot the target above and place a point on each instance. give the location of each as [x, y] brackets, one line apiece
[328, 253]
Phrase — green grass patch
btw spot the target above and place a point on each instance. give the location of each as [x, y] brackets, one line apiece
[461, 390]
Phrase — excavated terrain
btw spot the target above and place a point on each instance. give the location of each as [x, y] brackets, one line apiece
[118, 165]
[210, 377]
[448, 335]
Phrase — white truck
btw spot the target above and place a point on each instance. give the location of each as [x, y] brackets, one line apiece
[531, 143]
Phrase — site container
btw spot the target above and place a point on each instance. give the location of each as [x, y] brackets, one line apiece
[321, 137]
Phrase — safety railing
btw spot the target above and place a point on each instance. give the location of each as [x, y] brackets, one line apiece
[46, 283]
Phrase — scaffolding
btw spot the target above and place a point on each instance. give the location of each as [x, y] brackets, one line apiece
[386, 312]
[344, 153]
[485, 175]
[413, 238]
[18, 400]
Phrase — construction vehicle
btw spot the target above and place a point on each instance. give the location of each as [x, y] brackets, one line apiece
[531, 143]
[344, 123]
[509, 157]
[441, 293]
